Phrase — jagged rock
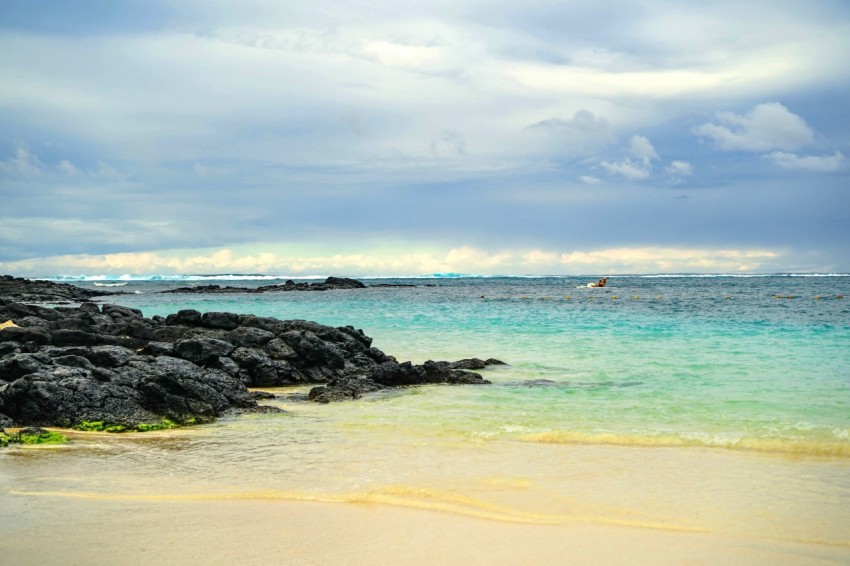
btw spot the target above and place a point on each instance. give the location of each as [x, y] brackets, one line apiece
[329, 284]
[8, 348]
[262, 395]
[24, 290]
[258, 370]
[110, 356]
[250, 337]
[469, 363]
[202, 350]
[393, 374]
[224, 320]
[25, 334]
[343, 389]
[115, 311]
[61, 366]
[344, 283]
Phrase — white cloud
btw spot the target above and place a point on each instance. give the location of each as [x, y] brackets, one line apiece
[24, 163]
[67, 167]
[641, 147]
[209, 171]
[413, 261]
[667, 259]
[679, 169]
[627, 169]
[449, 142]
[398, 55]
[766, 127]
[105, 171]
[590, 180]
[584, 131]
[816, 163]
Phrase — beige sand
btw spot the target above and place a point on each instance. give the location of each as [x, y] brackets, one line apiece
[287, 532]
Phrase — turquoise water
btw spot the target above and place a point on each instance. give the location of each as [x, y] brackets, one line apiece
[747, 363]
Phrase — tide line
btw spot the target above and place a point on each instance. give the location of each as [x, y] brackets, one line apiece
[399, 496]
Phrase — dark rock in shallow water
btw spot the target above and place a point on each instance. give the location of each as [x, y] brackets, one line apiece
[63, 366]
[262, 395]
[329, 284]
[391, 374]
[344, 283]
[344, 388]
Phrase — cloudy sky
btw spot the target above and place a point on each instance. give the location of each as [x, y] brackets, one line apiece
[407, 138]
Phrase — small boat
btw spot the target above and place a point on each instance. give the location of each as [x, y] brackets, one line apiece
[601, 283]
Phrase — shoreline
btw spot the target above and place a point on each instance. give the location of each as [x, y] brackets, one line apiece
[368, 503]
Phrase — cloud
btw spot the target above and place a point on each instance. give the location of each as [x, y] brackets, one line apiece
[584, 131]
[327, 122]
[106, 172]
[67, 167]
[590, 180]
[24, 163]
[449, 142]
[679, 169]
[400, 55]
[464, 259]
[640, 147]
[211, 171]
[769, 126]
[766, 127]
[668, 259]
[815, 163]
[627, 168]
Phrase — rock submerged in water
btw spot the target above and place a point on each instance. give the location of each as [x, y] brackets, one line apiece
[68, 365]
[355, 384]
[329, 284]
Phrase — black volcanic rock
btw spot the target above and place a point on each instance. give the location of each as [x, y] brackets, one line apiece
[329, 284]
[26, 290]
[62, 366]
[391, 374]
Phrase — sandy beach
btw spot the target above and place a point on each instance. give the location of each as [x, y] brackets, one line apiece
[263, 532]
[507, 503]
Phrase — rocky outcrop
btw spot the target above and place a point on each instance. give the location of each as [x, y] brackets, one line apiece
[329, 284]
[390, 374]
[26, 290]
[62, 366]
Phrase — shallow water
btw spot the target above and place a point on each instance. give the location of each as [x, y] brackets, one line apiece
[750, 363]
[700, 404]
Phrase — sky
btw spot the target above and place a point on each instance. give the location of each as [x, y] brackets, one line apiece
[410, 138]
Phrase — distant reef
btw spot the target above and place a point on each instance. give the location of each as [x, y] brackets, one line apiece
[40, 291]
[329, 284]
[107, 367]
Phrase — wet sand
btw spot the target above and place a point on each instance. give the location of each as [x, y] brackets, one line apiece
[316, 491]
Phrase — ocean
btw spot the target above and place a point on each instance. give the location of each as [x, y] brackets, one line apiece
[690, 403]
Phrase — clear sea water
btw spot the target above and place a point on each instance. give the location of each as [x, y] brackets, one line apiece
[704, 403]
[752, 363]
